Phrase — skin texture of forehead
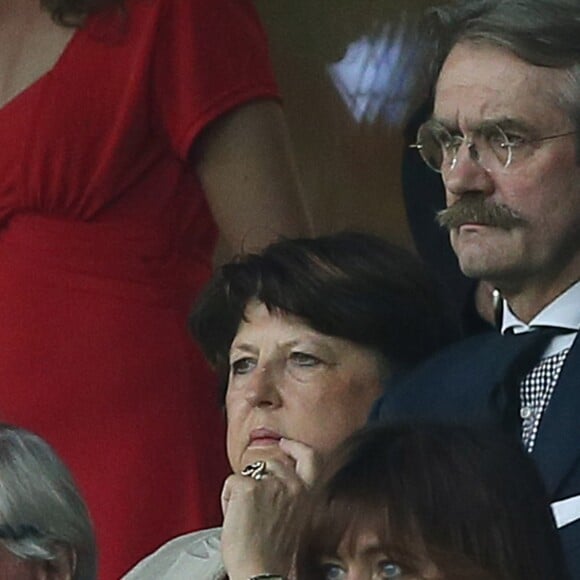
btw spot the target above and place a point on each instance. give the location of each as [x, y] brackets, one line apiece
[494, 83]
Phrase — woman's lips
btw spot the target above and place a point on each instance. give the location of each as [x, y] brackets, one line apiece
[264, 436]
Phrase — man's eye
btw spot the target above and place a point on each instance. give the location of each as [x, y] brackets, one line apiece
[304, 359]
[440, 133]
[515, 140]
[452, 143]
[242, 366]
[391, 571]
[502, 139]
[333, 572]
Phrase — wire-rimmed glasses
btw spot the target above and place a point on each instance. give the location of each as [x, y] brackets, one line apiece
[489, 145]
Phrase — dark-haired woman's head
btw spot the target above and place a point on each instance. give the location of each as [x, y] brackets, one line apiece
[304, 333]
[429, 502]
[353, 286]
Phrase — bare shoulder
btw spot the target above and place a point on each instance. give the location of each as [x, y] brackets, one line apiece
[30, 46]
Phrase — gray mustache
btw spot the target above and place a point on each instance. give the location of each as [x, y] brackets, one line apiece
[473, 208]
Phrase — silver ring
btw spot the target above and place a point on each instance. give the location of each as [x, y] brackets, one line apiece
[256, 470]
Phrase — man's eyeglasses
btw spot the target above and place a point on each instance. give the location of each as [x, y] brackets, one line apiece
[490, 146]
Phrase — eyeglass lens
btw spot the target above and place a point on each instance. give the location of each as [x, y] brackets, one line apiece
[489, 146]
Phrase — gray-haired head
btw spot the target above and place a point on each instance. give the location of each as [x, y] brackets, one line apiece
[541, 32]
[42, 515]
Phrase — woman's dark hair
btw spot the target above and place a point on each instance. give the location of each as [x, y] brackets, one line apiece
[469, 501]
[72, 12]
[354, 286]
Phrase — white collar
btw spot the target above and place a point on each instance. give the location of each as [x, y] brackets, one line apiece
[563, 312]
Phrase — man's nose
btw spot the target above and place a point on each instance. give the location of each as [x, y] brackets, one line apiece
[466, 174]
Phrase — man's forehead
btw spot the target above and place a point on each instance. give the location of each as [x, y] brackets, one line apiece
[507, 123]
[472, 57]
[484, 83]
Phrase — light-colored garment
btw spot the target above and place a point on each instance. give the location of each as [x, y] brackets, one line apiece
[563, 312]
[195, 556]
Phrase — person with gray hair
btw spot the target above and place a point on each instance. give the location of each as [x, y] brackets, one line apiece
[45, 529]
[504, 135]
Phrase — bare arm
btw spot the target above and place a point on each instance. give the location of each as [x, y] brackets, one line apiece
[245, 164]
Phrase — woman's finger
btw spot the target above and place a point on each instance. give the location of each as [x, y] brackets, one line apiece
[226, 494]
[307, 461]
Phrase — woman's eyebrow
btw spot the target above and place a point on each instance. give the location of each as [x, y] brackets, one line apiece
[245, 347]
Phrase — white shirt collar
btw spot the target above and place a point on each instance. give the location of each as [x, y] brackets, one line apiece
[563, 312]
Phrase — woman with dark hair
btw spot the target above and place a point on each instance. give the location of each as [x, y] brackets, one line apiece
[130, 131]
[303, 335]
[350, 285]
[431, 503]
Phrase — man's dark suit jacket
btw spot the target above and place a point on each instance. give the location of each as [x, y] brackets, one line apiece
[458, 386]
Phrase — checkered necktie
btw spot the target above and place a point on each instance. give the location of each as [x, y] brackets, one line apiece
[527, 349]
[535, 393]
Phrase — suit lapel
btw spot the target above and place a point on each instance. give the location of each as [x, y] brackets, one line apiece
[463, 385]
[495, 372]
[556, 449]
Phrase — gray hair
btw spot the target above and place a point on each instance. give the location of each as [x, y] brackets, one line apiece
[541, 32]
[41, 510]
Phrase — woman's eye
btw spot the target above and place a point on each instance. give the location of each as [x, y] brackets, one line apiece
[391, 571]
[242, 366]
[304, 359]
[333, 572]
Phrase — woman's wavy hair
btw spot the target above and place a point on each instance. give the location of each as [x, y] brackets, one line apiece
[354, 286]
[72, 12]
[466, 500]
[42, 514]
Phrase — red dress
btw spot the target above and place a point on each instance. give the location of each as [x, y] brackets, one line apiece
[105, 239]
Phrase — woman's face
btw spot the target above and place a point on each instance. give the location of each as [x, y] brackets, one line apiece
[14, 568]
[289, 381]
[366, 559]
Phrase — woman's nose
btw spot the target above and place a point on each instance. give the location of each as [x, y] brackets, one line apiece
[263, 387]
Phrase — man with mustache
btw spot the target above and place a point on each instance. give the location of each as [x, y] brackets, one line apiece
[504, 134]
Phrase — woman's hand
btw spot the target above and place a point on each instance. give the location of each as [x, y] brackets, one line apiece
[305, 460]
[261, 517]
